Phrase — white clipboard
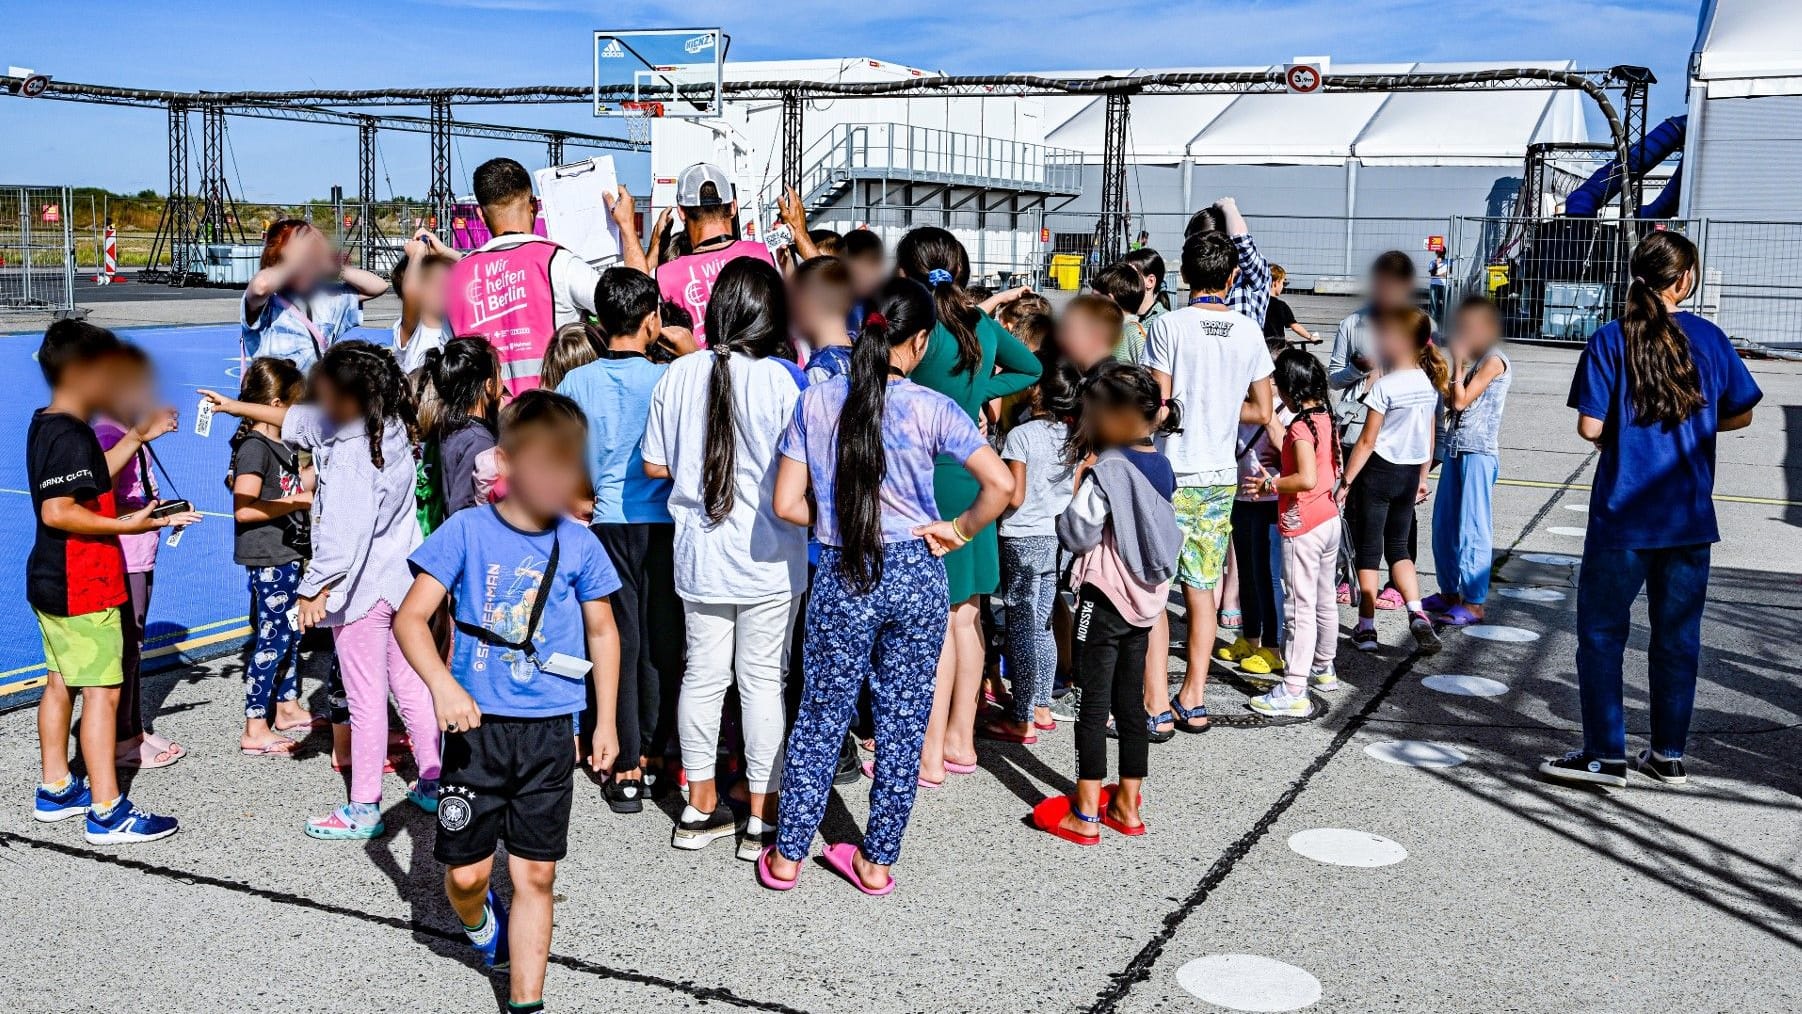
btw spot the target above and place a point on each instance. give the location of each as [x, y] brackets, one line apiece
[577, 211]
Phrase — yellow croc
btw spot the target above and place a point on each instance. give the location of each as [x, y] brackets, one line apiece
[1262, 662]
[1235, 652]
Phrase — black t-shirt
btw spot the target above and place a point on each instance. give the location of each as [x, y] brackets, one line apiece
[458, 453]
[70, 575]
[285, 539]
[1278, 319]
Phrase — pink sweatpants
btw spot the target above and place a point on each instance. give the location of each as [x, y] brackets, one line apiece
[1309, 560]
[373, 668]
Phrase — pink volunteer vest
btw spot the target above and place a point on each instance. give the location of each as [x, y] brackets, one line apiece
[505, 296]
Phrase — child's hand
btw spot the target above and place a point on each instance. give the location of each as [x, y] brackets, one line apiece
[624, 211]
[1341, 493]
[941, 537]
[1420, 495]
[794, 213]
[159, 422]
[457, 711]
[311, 610]
[220, 402]
[141, 521]
[605, 749]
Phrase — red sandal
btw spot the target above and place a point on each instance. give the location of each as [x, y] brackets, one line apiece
[1048, 817]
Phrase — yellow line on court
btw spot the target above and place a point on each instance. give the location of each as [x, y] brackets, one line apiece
[1764, 501]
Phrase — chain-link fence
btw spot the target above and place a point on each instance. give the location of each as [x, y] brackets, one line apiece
[1752, 280]
[37, 251]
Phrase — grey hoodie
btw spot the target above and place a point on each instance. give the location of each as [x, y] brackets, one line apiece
[1146, 536]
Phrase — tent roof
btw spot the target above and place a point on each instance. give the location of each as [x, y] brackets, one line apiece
[1416, 128]
[1749, 47]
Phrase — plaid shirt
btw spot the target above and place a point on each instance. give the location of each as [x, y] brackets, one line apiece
[1251, 292]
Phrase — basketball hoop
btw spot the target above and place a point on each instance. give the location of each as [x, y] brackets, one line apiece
[638, 117]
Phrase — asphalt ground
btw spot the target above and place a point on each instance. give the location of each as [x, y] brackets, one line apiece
[1514, 895]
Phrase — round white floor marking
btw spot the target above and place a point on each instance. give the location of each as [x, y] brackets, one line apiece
[1345, 847]
[1494, 632]
[1570, 531]
[1249, 982]
[1580, 508]
[1466, 686]
[1529, 593]
[1416, 753]
[1552, 559]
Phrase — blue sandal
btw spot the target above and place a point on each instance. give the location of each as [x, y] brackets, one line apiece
[1155, 734]
[1186, 715]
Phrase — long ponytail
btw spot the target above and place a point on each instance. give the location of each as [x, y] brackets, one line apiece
[1662, 380]
[901, 309]
[933, 257]
[747, 313]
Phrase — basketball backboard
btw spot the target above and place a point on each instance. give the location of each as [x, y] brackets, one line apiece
[659, 72]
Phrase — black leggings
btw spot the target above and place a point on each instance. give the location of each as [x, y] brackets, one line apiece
[1252, 521]
[1110, 669]
[1383, 525]
[651, 640]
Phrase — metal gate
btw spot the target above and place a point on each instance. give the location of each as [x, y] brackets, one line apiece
[1556, 279]
[37, 249]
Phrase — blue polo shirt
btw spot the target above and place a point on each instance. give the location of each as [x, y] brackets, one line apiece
[1654, 486]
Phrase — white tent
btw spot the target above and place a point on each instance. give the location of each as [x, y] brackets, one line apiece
[1740, 159]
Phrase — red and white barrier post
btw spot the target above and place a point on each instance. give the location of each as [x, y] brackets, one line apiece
[109, 269]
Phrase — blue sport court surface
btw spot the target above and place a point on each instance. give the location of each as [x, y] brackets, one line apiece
[201, 599]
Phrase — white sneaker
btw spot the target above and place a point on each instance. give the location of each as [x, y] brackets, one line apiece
[1278, 704]
[1324, 680]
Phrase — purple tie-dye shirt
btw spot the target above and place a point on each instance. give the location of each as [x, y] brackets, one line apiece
[918, 425]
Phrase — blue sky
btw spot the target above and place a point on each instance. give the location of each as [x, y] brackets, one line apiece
[365, 43]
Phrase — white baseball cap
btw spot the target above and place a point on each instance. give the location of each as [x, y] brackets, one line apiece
[690, 181]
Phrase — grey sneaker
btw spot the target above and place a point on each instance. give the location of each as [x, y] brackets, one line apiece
[1655, 767]
[1067, 708]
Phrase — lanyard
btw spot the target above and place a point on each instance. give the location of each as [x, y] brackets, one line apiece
[149, 479]
[1198, 300]
[318, 336]
[489, 637]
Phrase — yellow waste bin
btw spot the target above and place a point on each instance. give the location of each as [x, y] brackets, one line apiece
[1066, 271]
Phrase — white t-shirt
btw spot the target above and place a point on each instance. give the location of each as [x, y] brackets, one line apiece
[411, 356]
[753, 555]
[1213, 356]
[1408, 403]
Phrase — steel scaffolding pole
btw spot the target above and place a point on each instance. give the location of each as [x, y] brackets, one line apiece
[211, 226]
[438, 197]
[553, 149]
[1111, 228]
[364, 231]
[791, 140]
[174, 228]
[1636, 89]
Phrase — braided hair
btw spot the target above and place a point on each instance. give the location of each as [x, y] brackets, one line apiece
[747, 313]
[1301, 379]
[368, 375]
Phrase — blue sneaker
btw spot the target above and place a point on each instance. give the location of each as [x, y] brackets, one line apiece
[424, 794]
[73, 801]
[127, 825]
[493, 950]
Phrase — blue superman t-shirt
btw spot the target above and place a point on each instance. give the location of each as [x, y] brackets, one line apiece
[1654, 485]
[495, 572]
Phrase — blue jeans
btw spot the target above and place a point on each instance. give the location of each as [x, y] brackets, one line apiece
[1464, 527]
[1676, 584]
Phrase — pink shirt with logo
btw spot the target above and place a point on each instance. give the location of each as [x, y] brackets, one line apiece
[688, 280]
[505, 295]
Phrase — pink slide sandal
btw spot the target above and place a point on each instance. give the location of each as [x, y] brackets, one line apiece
[769, 879]
[841, 858]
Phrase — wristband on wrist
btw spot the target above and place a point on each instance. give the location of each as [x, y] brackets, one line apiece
[957, 529]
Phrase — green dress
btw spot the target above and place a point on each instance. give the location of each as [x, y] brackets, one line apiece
[1007, 367]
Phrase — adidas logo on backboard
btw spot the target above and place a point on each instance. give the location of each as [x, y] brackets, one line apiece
[613, 50]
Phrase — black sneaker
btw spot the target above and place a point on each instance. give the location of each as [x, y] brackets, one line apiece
[691, 835]
[1426, 640]
[1670, 772]
[1365, 639]
[1579, 768]
[623, 796]
[848, 766]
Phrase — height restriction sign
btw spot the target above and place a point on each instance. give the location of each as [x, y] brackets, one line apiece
[1303, 78]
